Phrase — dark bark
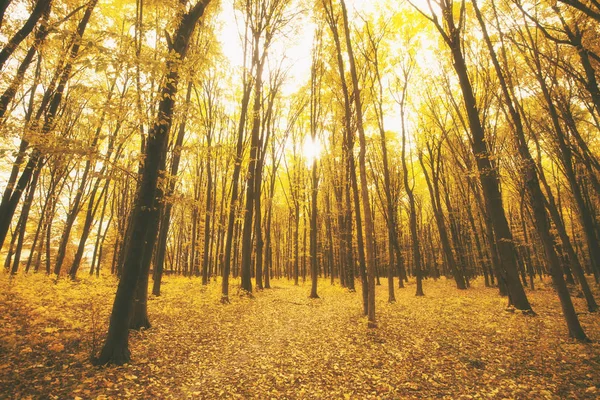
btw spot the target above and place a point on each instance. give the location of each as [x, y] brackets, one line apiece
[116, 348]
[3, 6]
[314, 267]
[139, 317]
[11, 90]
[315, 114]
[416, 250]
[296, 240]
[455, 234]
[166, 214]
[208, 212]
[22, 225]
[12, 196]
[351, 186]
[41, 7]
[536, 199]
[87, 225]
[434, 194]
[585, 216]
[253, 174]
[304, 229]
[591, 9]
[38, 236]
[209, 116]
[234, 191]
[566, 242]
[488, 174]
[390, 213]
[258, 232]
[83, 183]
[362, 164]
[100, 236]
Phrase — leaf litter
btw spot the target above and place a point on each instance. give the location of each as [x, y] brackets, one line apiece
[279, 344]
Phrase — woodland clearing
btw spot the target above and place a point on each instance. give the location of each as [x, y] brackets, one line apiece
[281, 344]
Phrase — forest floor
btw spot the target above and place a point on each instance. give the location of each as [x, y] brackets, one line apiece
[280, 344]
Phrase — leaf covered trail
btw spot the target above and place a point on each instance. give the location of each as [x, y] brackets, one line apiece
[281, 344]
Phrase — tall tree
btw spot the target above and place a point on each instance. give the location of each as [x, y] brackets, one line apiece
[316, 75]
[41, 8]
[536, 197]
[451, 30]
[116, 346]
[48, 109]
[407, 68]
[362, 167]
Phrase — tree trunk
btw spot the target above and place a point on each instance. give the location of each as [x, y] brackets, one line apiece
[12, 197]
[165, 223]
[537, 201]
[416, 250]
[439, 217]
[488, 175]
[364, 191]
[24, 217]
[116, 348]
[3, 6]
[208, 211]
[41, 7]
[87, 226]
[313, 232]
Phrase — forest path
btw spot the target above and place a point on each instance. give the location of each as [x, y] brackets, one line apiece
[281, 344]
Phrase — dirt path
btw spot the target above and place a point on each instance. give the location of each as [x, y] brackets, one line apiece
[281, 344]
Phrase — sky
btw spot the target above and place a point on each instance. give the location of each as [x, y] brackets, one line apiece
[295, 48]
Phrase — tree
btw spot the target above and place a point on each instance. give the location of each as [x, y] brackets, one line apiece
[49, 108]
[450, 30]
[409, 186]
[316, 76]
[41, 9]
[115, 349]
[536, 197]
[362, 163]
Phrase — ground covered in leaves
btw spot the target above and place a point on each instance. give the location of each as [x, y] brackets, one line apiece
[281, 344]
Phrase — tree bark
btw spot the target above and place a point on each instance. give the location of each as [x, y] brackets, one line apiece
[165, 223]
[488, 175]
[41, 7]
[116, 348]
[12, 197]
[362, 164]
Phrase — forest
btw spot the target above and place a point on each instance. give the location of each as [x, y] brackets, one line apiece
[299, 199]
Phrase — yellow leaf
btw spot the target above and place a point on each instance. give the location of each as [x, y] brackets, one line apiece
[56, 347]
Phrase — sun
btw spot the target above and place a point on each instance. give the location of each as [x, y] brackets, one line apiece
[311, 149]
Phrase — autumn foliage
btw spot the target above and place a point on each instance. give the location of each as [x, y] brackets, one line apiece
[195, 163]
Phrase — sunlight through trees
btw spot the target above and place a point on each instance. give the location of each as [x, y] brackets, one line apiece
[248, 141]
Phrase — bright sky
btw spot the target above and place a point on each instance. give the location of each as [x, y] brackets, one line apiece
[296, 48]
